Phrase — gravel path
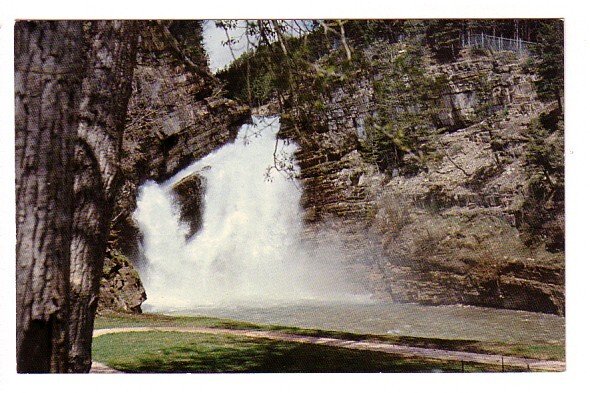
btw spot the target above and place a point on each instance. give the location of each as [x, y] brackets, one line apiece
[402, 350]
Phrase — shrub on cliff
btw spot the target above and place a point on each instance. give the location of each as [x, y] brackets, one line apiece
[542, 212]
[400, 132]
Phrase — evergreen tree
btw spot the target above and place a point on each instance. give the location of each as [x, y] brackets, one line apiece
[443, 36]
[549, 55]
[403, 121]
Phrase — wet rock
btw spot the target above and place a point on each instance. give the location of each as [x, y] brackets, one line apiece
[120, 287]
[189, 193]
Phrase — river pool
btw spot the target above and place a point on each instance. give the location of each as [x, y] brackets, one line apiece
[452, 322]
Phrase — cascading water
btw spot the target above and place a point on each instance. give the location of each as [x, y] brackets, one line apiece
[249, 263]
[248, 250]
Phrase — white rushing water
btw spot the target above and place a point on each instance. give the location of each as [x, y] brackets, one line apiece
[248, 250]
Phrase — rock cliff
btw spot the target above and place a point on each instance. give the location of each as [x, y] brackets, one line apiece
[453, 232]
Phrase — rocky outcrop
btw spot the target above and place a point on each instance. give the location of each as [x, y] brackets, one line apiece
[177, 114]
[449, 233]
[497, 80]
[120, 287]
[332, 172]
[189, 193]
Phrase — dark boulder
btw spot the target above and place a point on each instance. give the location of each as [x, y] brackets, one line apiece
[189, 194]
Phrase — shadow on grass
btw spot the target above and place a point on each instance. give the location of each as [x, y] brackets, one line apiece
[540, 350]
[205, 353]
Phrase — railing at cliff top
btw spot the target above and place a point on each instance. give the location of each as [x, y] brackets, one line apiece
[494, 43]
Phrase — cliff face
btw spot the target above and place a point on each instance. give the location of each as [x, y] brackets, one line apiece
[176, 115]
[455, 231]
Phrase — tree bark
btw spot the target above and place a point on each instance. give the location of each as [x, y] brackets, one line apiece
[49, 61]
[105, 94]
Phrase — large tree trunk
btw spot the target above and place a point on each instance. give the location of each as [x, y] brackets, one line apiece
[49, 61]
[105, 94]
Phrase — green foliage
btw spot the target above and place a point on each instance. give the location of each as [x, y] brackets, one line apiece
[477, 52]
[189, 34]
[250, 78]
[485, 109]
[544, 155]
[261, 87]
[284, 66]
[529, 65]
[363, 33]
[379, 147]
[443, 36]
[404, 94]
[545, 191]
[549, 55]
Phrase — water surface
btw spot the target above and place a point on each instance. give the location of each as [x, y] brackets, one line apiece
[452, 322]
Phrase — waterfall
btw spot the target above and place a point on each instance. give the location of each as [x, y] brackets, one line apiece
[249, 248]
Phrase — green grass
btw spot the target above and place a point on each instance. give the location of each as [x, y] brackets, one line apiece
[116, 320]
[173, 352]
[534, 350]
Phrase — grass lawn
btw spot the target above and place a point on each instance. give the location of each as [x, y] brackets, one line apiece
[534, 350]
[170, 352]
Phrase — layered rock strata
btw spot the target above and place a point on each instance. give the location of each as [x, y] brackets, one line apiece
[450, 233]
